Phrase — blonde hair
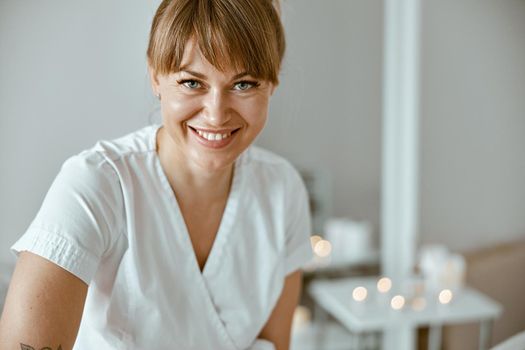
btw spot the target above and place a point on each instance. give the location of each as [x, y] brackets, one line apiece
[238, 34]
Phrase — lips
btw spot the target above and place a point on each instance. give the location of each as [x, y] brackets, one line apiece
[218, 131]
[215, 144]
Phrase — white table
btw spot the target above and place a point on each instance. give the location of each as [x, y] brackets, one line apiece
[372, 317]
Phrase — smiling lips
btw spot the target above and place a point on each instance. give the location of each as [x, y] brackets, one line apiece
[217, 139]
[214, 136]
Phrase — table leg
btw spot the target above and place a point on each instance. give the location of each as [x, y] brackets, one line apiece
[321, 317]
[485, 334]
[377, 340]
[434, 337]
[373, 341]
[401, 336]
[358, 341]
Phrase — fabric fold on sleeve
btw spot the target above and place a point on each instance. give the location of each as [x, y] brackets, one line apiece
[58, 250]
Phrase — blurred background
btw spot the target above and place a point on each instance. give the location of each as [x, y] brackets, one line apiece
[73, 73]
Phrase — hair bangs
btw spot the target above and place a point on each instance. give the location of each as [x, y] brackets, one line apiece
[242, 35]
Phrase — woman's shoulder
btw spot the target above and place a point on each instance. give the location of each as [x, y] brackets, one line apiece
[141, 141]
[105, 152]
[99, 162]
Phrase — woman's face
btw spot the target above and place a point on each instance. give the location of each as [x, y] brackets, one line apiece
[210, 117]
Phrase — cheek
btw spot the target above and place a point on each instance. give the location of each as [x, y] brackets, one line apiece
[255, 112]
[178, 109]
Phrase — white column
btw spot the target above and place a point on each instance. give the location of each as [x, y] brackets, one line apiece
[399, 213]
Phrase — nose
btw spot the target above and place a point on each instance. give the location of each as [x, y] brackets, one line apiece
[217, 107]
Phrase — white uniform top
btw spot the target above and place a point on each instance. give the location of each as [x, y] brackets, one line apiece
[111, 218]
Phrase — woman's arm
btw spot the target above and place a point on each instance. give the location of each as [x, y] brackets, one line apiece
[278, 328]
[43, 306]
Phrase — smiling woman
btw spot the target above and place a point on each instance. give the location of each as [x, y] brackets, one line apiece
[199, 105]
[200, 97]
[182, 235]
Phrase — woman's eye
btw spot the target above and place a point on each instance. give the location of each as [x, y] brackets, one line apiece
[191, 84]
[244, 85]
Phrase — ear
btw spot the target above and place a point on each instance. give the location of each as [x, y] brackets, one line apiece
[154, 80]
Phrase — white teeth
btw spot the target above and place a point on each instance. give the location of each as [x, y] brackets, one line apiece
[213, 137]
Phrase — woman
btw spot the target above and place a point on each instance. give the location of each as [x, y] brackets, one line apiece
[182, 235]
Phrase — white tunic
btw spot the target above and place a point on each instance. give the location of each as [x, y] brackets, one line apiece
[111, 218]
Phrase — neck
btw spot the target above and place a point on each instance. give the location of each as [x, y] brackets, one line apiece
[189, 182]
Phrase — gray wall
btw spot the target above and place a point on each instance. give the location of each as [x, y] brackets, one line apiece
[327, 112]
[472, 112]
[473, 122]
[72, 73]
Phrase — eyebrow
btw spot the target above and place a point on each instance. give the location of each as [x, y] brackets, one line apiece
[202, 76]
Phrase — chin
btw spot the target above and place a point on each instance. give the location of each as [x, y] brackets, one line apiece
[211, 162]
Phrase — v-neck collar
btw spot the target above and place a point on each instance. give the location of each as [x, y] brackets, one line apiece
[227, 219]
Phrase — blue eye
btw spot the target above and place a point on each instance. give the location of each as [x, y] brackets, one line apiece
[190, 84]
[245, 85]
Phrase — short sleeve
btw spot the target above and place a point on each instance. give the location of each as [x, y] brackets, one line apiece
[80, 216]
[298, 226]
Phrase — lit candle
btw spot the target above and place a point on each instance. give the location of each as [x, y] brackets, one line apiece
[384, 285]
[359, 294]
[445, 296]
[397, 302]
[314, 240]
[323, 248]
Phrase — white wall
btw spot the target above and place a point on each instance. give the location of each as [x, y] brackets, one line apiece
[70, 73]
[327, 111]
[473, 122]
[472, 112]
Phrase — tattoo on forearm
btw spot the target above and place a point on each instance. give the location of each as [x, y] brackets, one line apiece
[28, 347]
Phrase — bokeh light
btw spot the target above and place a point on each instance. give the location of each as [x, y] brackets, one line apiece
[384, 285]
[445, 296]
[323, 248]
[397, 302]
[359, 293]
[314, 240]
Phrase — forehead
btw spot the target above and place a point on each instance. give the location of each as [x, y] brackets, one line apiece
[193, 59]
